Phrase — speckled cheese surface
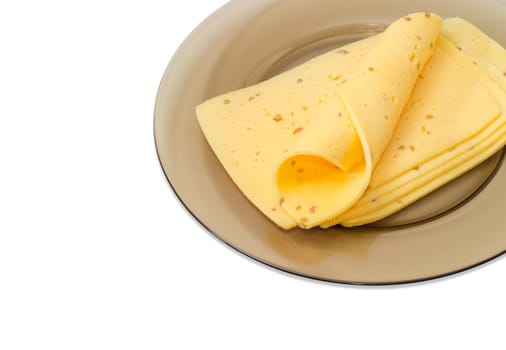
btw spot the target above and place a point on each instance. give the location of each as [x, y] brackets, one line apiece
[360, 132]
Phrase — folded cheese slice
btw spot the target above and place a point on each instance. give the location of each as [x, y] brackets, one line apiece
[302, 146]
[454, 121]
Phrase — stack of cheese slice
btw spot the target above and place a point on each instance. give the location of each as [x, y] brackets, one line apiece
[360, 132]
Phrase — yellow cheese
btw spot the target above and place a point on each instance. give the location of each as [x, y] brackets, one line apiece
[477, 46]
[453, 122]
[360, 132]
[370, 103]
[252, 129]
[302, 146]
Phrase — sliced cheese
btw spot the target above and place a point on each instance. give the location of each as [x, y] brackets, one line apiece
[251, 130]
[360, 132]
[370, 103]
[453, 122]
[302, 146]
[477, 46]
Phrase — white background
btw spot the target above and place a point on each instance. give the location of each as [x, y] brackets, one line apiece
[95, 250]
